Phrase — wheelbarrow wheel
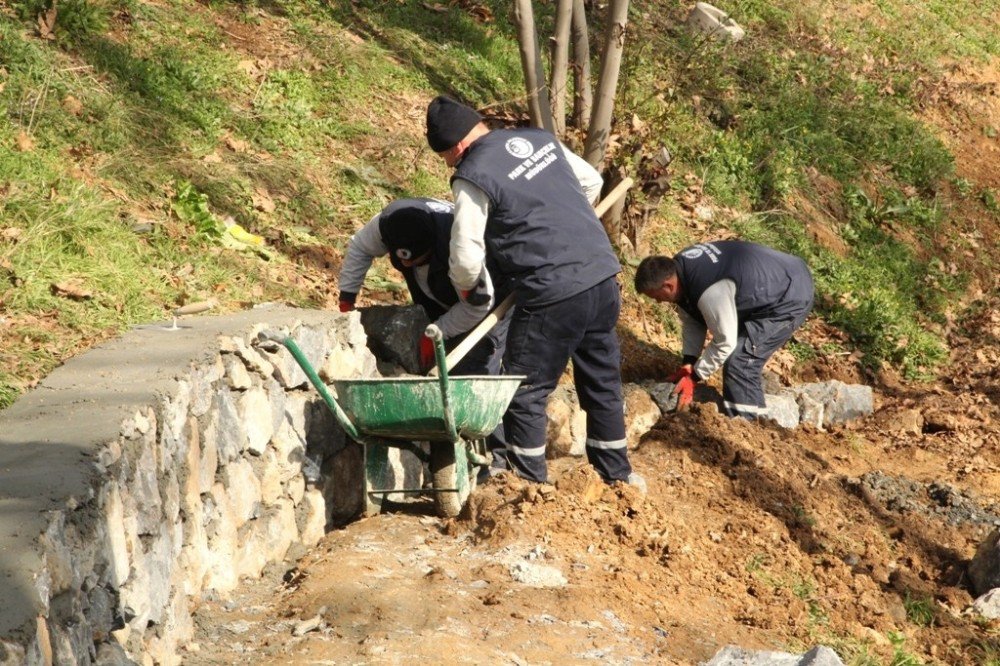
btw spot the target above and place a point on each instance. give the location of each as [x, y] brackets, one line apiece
[454, 478]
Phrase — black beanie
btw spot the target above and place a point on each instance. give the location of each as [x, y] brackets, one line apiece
[448, 122]
[407, 231]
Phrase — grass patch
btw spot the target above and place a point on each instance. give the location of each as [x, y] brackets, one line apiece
[919, 610]
[159, 112]
[900, 655]
[140, 112]
[759, 564]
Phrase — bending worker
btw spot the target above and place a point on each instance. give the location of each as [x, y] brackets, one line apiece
[415, 234]
[523, 205]
[750, 297]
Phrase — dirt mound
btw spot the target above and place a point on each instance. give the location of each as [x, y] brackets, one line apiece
[579, 509]
[765, 532]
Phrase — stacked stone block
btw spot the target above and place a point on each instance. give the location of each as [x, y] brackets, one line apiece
[182, 461]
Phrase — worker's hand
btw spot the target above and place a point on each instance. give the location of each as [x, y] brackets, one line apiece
[478, 295]
[473, 297]
[683, 371]
[684, 389]
[347, 299]
[426, 353]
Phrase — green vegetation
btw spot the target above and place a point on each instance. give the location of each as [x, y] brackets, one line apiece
[919, 611]
[819, 104]
[803, 588]
[299, 120]
[900, 656]
[163, 118]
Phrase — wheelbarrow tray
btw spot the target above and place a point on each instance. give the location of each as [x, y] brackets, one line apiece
[410, 408]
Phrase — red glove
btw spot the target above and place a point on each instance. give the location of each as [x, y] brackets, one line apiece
[426, 353]
[346, 306]
[684, 378]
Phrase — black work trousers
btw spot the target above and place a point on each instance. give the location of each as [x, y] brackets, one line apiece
[540, 343]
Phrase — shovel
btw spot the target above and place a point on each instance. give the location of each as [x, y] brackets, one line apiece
[476, 334]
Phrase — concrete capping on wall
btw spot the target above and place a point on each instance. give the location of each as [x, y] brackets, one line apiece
[162, 466]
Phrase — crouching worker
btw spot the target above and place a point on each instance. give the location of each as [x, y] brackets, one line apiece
[415, 233]
[750, 297]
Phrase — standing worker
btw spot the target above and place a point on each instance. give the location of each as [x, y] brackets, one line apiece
[750, 297]
[523, 206]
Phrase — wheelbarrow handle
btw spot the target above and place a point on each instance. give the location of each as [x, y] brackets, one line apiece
[435, 334]
[475, 335]
[331, 402]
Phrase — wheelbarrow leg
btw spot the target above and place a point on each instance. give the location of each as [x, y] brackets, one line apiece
[378, 476]
[454, 470]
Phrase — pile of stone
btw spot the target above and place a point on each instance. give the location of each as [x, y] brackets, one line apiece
[819, 404]
[737, 656]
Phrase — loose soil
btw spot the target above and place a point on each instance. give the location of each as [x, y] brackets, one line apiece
[749, 534]
[857, 537]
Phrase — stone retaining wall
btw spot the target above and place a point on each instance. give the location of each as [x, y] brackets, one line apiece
[161, 467]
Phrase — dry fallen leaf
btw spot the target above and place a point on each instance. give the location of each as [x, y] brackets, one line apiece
[72, 289]
[262, 201]
[436, 7]
[24, 142]
[236, 145]
[12, 234]
[72, 105]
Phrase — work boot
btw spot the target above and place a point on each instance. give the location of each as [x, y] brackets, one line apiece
[635, 480]
[488, 472]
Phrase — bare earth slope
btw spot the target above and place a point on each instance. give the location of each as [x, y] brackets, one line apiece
[750, 534]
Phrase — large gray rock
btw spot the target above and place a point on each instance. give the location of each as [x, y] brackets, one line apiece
[394, 333]
[711, 21]
[783, 409]
[663, 395]
[641, 413]
[737, 656]
[988, 605]
[984, 570]
[841, 402]
[811, 412]
[112, 654]
[567, 427]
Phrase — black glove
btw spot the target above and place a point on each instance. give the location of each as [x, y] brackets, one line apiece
[475, 296]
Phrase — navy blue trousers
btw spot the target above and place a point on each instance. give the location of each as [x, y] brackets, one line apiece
[540, 343]
[757, 340]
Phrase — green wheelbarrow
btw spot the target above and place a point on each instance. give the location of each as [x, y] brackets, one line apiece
[453, 414]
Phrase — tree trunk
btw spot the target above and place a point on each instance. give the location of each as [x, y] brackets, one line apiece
[559, 60]
[531, 63]
[611, 59]
[582, 97]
